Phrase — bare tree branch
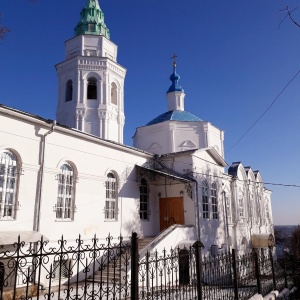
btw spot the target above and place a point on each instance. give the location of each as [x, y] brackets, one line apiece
[289, 14]
[4, 30]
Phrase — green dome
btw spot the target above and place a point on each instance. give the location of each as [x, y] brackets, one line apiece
[92, 20]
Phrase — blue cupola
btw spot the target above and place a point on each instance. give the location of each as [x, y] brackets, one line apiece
[175, 87]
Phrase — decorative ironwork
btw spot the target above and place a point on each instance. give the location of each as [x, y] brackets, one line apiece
[112, 269]
[189, 190]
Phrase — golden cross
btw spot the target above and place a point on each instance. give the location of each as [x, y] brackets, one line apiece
[174, 56]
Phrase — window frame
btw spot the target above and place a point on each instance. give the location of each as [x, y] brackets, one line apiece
[111, 198]
[8, 185]
[92, 89]
[205, 200]
[113, 93]
[228, 208]
[241, 207]
[69, 91]
[65, 203]
[214, 201]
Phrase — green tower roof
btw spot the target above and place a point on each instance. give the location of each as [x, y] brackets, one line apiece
[92, 20]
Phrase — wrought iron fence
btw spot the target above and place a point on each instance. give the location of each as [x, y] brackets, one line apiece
[112, 269]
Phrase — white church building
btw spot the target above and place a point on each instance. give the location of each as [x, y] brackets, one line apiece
[74, 175]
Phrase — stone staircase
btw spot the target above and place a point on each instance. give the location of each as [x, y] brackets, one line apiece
[115, 270]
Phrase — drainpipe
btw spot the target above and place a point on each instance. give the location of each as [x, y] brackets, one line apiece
[236, 207]
[41, 178]
[198, 231]
[250, 206]
[226, 225]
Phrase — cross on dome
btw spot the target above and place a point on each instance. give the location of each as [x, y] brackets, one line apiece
[175, 87]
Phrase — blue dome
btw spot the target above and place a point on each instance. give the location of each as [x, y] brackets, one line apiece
[175, 87]
[175, 115]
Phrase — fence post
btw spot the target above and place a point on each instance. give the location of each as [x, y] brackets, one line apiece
[2, 272]
[257, 272]
[134, 267]
[198, 269]
[272, 266]
[235, 275]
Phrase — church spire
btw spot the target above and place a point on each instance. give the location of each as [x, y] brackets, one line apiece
[175, 93]
[174, 78]
[92, 20]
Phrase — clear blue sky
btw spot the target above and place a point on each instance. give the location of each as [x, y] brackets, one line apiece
[232, 59]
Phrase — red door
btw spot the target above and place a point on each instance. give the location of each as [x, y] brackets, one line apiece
[171, 212]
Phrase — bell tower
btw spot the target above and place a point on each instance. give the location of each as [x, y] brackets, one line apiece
[90, 81]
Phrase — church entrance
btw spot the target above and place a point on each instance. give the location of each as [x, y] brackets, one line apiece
[171, 212]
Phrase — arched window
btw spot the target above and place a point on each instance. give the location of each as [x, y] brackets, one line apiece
[92, 88]
[8, 184]
[111, 197]
[267, 213]
[69, 90]
[205, 207]
[258, 210]
[228, 208]
[214, 201]
[113, 94]
[241, 208]
[144, 212]
[65, 197]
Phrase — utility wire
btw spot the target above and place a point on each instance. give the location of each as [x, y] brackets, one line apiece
[264, 111]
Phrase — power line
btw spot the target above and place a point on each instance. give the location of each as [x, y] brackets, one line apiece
[243, 135]
[225, 177]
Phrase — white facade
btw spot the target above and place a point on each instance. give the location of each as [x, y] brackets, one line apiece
[81, 179]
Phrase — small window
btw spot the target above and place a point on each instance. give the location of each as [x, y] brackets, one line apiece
[267, 213]
[214, 200]
[8, 184]
[241, 208]
[92, 88]
[91, 27]
[69, 90]
[205, 207]
[144, 212]
[113, 94]
[65, 203]
[111, 197]
[228, 208]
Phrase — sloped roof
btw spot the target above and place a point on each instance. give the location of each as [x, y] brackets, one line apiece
[175, 115]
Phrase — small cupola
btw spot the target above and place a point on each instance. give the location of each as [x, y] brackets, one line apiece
[92, 20]
[175, 93]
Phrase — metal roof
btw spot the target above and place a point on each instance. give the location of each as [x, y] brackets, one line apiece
[175, 115]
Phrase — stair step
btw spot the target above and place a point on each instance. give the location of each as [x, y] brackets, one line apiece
[113, 271]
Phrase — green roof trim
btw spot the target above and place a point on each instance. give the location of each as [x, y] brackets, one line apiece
[92, 20]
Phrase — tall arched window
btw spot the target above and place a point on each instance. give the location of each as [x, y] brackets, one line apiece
[92, 88]
[241, 208]
[69, 90]
[65, 197]
[8, 184]
[114, 94]
[144, 212]
[228, 208]
[267, 212]
[205, 207]
[214, 201]
[111, 197]
[258, 210]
